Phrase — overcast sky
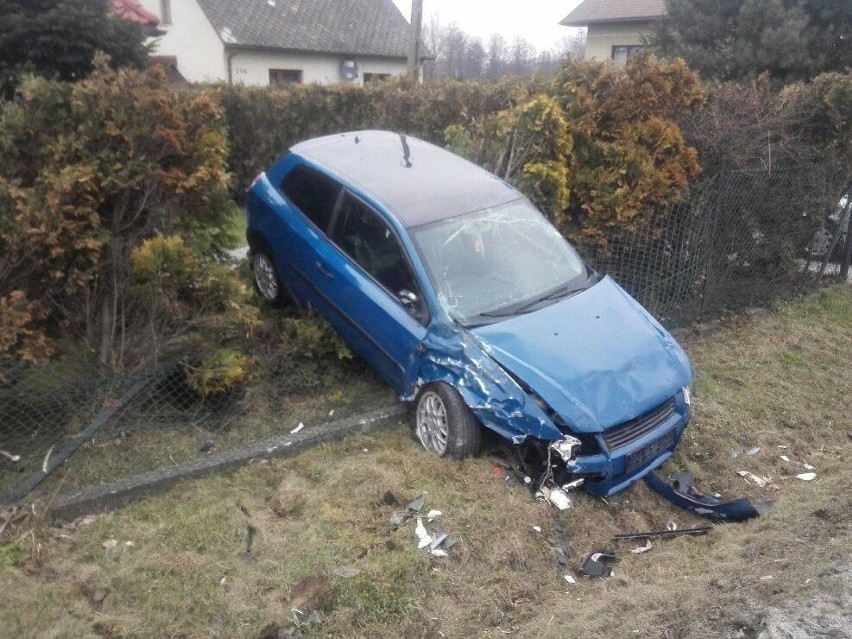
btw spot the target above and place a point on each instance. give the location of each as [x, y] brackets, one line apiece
[535, 20]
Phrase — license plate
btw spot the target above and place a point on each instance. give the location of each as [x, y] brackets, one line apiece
[642, 456]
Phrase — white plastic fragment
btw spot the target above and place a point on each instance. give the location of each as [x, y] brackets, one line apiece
[331, 413]
[760, 481]
[438, 552]
[297, 429]
[808, 466]
[433, 514]
[537, 529]
[555, 496]
[785, 458]
[641, 549]
[753, 451]
[570, 579]
[671, 526]
[781, 446]
[424, 537]
[806, 476]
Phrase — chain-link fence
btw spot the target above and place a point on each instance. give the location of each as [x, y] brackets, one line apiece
[738, 239]
[118, 426]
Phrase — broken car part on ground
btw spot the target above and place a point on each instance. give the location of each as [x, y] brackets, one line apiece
[680, 491]
[471, 305]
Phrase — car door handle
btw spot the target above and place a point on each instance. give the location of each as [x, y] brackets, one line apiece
[324, 270]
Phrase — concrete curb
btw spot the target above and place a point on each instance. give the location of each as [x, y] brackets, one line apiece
[114, 494]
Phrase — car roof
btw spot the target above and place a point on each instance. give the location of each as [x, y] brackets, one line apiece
[417, 181]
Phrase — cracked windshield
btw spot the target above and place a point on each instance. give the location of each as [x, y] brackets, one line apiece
[498, 262]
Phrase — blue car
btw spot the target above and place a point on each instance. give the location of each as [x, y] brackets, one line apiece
[467, 301]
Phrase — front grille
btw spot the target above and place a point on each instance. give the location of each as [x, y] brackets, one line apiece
[629, 432]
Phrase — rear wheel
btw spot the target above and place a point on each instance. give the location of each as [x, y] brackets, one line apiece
[266, 281]
[444, 424]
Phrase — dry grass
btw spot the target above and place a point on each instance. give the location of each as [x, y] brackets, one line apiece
[778, 380]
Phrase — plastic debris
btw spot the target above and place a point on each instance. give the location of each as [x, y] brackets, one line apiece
[433, 514]
[559, 556]
[347, 572]
[10, 456]
[662, 534]
[760, 481]
[570, 579]
[417, 505]
[680, 491]
[413, 508]
[641, 549]
[555, 496]
[671, 526]
[424, 538]
[806, 476]
[593, 564]
[785, 458]
[537, 529]
[808, 466]
[571, 485]
[297, 429]
[753, 451]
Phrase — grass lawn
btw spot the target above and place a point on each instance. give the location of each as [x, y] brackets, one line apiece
[234, 555]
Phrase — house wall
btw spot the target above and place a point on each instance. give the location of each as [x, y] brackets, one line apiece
[601, 38]
[191, 39]
[252, 67]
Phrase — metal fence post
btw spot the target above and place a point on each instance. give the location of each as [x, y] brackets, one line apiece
[709, 274]
[847, 254]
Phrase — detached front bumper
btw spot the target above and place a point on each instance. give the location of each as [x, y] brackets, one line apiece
[631, 451]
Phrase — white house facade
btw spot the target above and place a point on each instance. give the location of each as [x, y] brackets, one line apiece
[277, 42]
[616, 28]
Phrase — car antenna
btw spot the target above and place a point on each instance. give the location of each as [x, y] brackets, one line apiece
[406, 152]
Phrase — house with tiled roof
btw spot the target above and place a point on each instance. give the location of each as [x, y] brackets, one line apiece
[278, 42]
[616, 28]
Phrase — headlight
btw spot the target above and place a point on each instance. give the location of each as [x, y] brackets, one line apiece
[565, 447]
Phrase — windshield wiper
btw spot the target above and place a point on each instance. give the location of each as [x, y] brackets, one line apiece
[562, 291]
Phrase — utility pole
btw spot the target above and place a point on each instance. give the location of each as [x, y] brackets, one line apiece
[414, 45]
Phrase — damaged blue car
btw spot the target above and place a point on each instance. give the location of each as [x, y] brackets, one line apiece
[467, 301]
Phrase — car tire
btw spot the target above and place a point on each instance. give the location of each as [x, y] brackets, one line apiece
[265, 279]
[444, 424]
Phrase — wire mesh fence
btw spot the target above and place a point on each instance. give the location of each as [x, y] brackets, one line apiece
[739, 239]
[118, 426]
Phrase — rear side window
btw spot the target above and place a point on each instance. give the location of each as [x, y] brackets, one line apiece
[313, 193]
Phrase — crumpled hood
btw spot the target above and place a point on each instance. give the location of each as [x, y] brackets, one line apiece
[597, 358]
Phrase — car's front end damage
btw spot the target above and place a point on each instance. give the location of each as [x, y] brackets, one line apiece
[613, 459]
[605, 404]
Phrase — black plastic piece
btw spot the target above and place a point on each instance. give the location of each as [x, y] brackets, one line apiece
[680, 491]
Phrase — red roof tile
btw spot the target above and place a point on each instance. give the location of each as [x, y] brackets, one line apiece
[134, 12]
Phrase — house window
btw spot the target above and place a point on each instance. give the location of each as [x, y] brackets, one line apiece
[166, 11]
[283, 77]
[622, 53]
[374, 77]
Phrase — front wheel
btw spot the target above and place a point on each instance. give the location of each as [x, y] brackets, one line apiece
[444, 424]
